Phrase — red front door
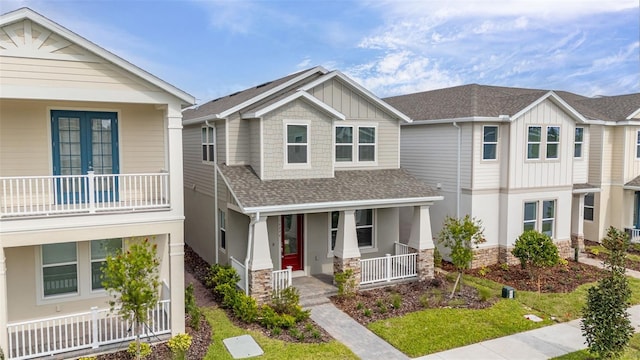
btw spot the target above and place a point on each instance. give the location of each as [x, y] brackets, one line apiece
[292, 240]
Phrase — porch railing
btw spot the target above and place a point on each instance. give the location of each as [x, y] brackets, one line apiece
[634, 234]
[240, 269]
[401, 249]
[280, 280]
[388, 268]
[67, 194]
[91, 329]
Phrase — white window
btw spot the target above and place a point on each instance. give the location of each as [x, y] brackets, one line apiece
[59, 269]
[297, 144]
[355, 142]
[638, 145]
[489, 142]
[364, 228]
[208, 144]
[100, 249]
[578, 139]
[533, 142]
[540, 216]
[222, 223]
[589, 200]
[344, 143]
[553, 139]
[366, 143]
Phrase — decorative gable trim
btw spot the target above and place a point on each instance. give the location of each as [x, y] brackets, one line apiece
[633, 114]
[395, 112]
[298, 95]
[558, 101]
[20, 18]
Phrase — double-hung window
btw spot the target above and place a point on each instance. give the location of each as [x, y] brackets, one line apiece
[100, 249]
[59, 269]
[489, 142]
[344, 143]
[638, 145]
[589, 201]
[208, 144]
[366, 143]
[222, 224]
[364, 228]
[355, 144]
[553, 139]
[297, 144]
[578, 139]
[533, 142]
[540, 216]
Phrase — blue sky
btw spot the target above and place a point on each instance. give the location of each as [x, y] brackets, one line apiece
[211, 48]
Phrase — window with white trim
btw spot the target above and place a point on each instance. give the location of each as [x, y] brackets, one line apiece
[208, 144]
[364, 228]
[489, 142]
[59, 269]
[589, 201]
[344, 143]
[222, 224]
[297, 143]
[366, 143]
[533, 142]
[100, 249]
[578, 140]
[553, 141]
[540, 216]
[638, 145]
[355, 143]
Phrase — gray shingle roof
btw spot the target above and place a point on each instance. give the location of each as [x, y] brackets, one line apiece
[635, 182]
[346, 186]
[491, 101]
[585, 186]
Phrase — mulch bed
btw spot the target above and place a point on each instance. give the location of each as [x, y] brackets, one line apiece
[630, 264]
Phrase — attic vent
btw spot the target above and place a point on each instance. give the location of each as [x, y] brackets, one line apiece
[263, 85]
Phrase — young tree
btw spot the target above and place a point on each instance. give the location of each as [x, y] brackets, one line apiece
[535, 251]
[132, 279]
[460, 236]
[606, 324]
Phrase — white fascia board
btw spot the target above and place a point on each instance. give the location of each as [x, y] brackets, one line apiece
[344, 204]
[630, 187]
[202, 119]
[627, 122]
[633, 114]
[360, 88]
[26, 13]
[275, 90]
[459, 120]
[299, 94]
[586, 191]
[558, 100]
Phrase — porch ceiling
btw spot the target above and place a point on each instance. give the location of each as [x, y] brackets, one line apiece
[346, 188]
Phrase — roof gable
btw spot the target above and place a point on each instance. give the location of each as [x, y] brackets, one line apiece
[25, 33]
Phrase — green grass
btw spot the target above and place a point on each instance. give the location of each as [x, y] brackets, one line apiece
[222, 328]
[602, 250]
[632, 352]
[428, 331]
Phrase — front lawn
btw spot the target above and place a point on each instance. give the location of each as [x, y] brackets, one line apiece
[273, 349]
[632, 352]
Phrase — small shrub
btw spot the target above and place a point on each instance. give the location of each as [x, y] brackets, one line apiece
[424, 301]
[219, 274]
[535, 251]
[276, 331]
[179, 345]
[595, 251]
[382, 308]
[484, 271]
[437, 257]
[457, 302]
[367, 312]
[504, 266]
[315, 334]
[270, 319]
[296, 334]
[140, 349]
[195, 314]
[245, 308]
[484, 294]
[396, 301]
[346, 283]
[359, 305]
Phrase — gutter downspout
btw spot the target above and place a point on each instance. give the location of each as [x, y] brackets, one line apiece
[458, 169]
[254, 219]
[215, 196]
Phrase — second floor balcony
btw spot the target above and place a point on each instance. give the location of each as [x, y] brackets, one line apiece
[32, 196]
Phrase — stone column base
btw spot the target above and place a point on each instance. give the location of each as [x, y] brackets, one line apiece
[341, 265]
[577, 241]
[260, 285]
[564, 248]
[425, 264]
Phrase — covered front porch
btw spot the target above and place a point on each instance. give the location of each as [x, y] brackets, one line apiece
[631, 209]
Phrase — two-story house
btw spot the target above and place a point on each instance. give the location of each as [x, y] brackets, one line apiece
[302, 173]
[515, 159]
[90, 161]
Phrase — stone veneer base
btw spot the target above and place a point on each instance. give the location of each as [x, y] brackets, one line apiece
[340, 265]
[260, 285]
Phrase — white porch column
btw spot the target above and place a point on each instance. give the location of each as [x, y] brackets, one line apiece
[260, 264]
[176, 269]
[174, 156]
[577, 221]
[346, 254]
[421, 241]
[4, 340]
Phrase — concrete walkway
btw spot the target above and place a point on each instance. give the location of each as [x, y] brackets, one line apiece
[544, 343]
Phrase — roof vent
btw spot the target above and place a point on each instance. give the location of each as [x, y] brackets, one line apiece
[263, 85]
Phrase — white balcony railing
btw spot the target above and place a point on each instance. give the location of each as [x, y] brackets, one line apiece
[91, 193]
[388, 268]
[634, 234]
[91, 329]
[280, 280]
[401, 249]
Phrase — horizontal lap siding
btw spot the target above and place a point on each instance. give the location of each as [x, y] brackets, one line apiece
[631, 166]
[596, 153]
[142, 134]
[196, 173]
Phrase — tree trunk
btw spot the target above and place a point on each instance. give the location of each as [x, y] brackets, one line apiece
[456, 285]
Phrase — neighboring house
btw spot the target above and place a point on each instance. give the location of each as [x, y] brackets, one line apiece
[516, 159]
[614, 163]
[302, 172]
[90, 160]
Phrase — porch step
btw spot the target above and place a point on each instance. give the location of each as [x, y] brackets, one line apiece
[311, 301]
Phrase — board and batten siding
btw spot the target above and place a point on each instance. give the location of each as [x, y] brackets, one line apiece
[595, 150]
[198, 175]
[486, 173]
[524, 173]
[631, 166]
[347, 100]
[319, 137]
[581, 165]
[25, 136]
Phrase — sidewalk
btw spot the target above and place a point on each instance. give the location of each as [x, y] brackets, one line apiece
[543, 343]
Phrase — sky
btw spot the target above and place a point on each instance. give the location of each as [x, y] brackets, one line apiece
[211, 48]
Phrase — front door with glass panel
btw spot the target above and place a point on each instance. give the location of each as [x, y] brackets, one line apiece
[636, 218]
[292, 241]
[84, 141]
